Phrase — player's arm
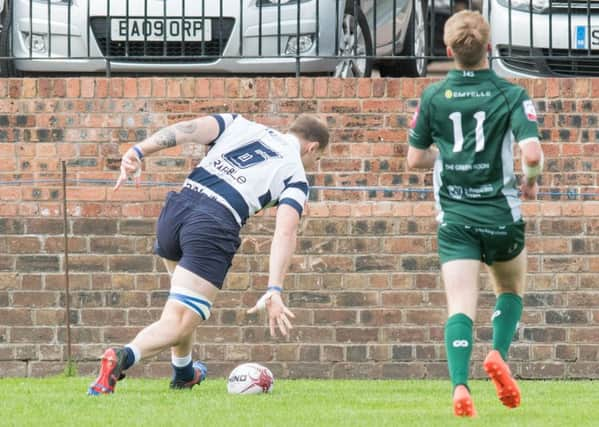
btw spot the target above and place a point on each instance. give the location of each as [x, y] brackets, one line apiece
[526, 132]
[283, 244]
[281, 250]
[421, 159]
[203, 130]
[421, 153]
[532, 165]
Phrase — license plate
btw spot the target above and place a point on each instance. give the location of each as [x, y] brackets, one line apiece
[159, 29]
[582, 33]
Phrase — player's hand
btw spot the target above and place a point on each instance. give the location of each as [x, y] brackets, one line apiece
[130, 168]
[529, 192]
[278, 313]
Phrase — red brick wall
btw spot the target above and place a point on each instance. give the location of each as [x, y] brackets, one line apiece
[364, 283]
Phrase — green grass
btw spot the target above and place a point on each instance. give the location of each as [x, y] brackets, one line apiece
[61, 401]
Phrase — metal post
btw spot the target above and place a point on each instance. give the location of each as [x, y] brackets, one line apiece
[297, 45]
[66, 262]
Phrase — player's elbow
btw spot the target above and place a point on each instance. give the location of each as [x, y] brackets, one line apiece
[417, 159]
[286, 232]
[532, 154]
[413, 159]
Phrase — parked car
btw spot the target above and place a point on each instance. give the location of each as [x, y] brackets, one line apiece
[245, 36]
[534, 38]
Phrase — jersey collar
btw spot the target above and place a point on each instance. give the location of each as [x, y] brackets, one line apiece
[471, 74]
[294, 141]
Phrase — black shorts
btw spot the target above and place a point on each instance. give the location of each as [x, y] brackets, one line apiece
[198, 232]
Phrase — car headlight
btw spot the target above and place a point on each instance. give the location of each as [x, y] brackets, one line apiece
[538, 6]
[277, 2]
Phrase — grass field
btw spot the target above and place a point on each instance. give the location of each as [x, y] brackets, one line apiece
[62, 401]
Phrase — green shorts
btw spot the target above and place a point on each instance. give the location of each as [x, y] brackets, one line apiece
[484, 243]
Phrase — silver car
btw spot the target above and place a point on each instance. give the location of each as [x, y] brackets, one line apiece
[212, 36]
[534, 38]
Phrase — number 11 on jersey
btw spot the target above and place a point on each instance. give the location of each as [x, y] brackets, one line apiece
[458, 134]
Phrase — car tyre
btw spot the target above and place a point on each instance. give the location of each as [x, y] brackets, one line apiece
[352, 45]
[415, 44]
[7, 68]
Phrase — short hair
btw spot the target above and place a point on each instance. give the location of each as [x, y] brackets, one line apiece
[311, 129]
[467, 34]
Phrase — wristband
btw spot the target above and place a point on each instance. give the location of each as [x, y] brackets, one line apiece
[275, 289]
[138, 152]
[532, 171]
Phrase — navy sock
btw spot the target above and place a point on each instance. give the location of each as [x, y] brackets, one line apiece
[184, 373]
[130, 359]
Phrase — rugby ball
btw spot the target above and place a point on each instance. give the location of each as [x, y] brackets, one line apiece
[250, 378]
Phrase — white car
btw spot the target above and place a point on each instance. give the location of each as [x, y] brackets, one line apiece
[228, 36]
[555, 38]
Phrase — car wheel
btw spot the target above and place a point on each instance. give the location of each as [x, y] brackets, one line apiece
[355, 41]
[415, 45]
[6, 65]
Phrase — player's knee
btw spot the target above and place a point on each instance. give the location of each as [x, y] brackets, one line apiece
[196, 304]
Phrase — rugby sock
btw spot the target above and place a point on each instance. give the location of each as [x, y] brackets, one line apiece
[133, 356]
[508, 311]
[182, 368]
[458, 345]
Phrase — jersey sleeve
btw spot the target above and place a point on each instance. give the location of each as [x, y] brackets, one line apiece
[420, 131]
[524, 118]
[224, 121]
[295, 190]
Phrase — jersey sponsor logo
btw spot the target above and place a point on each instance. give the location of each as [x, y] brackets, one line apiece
[529, 110]
[414, 117]
[460, 343]
[464, 167]
[227, 169]
[250, 155]
[449, 94]
[478, 192]
[455, 192]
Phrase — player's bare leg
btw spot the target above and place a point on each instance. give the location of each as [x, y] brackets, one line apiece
[509, 280]
[460, 278]
[181, 354]
[188, 303]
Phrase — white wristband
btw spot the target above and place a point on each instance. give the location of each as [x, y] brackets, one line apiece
[261, 303]
[531, 172]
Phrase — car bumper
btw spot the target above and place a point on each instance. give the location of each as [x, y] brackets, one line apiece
[83, 47]
[555, 52]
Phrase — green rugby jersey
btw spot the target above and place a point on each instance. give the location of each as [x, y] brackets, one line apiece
[473, 117]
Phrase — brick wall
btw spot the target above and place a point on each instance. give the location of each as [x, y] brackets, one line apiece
[364, 283]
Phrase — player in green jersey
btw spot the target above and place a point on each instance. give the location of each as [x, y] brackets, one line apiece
[472, 118]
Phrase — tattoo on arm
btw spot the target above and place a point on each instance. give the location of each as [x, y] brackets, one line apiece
[165, 138]
[186, 127]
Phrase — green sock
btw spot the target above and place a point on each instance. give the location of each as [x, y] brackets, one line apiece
[458, 344]
[508, 311]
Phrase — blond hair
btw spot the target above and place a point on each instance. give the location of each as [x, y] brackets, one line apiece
[311, 129]
[467, 34]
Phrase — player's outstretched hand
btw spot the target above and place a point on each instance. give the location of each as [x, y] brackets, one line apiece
[278, 313]
[130, 167]
[529, 192]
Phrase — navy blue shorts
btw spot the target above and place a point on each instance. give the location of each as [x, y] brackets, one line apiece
[198, 232]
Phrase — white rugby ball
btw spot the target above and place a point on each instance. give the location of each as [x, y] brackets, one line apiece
[250, 378]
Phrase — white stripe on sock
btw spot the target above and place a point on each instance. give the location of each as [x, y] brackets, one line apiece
[180, 362]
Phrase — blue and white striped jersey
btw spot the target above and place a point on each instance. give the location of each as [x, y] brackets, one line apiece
[249, 167]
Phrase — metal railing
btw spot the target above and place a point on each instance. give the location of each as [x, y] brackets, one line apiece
[331, 37]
